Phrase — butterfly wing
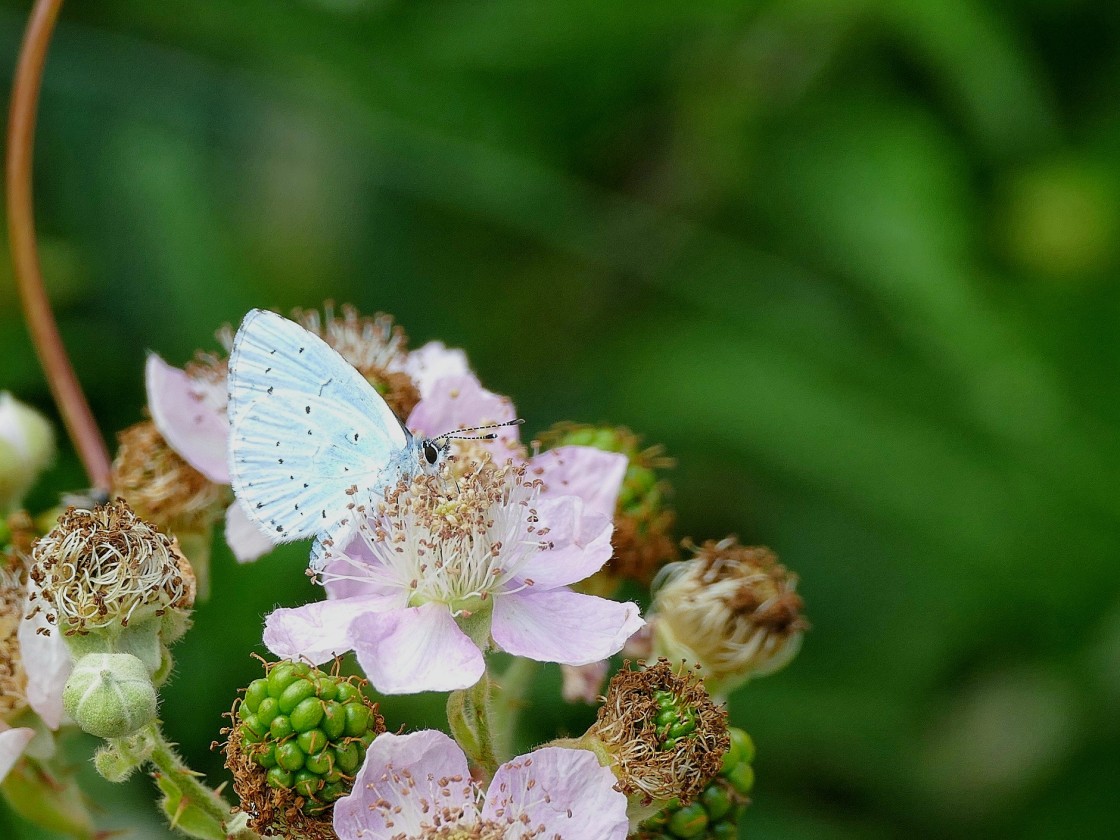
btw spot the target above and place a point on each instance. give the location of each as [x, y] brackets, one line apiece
[310, 438]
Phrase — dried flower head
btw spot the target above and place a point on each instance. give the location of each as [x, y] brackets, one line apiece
[732, 609]
[13, 601]
[665, 736]
[108, 567]
[376, 347]
[162, 487]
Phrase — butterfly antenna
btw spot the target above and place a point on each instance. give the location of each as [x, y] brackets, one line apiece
[458, 435]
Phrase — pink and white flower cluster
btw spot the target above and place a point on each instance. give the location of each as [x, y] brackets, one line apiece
[432, 578]
[419, 785]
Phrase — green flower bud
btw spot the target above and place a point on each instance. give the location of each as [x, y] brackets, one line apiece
[26, 449]
[110, 695]
[298, 736]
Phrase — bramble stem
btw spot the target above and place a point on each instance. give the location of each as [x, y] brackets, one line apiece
[63, 382]
[509, 702]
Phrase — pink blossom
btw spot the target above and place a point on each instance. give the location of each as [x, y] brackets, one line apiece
[583, 683]
[12, 744]
[419, 785]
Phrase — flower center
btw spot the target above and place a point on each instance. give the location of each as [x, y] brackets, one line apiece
[452, 540]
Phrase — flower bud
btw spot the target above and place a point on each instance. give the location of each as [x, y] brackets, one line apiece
[110, 695]
[299, 736]
[663, 736]
[731, 609]
[643, 522]
[26, 449]
[106, 569]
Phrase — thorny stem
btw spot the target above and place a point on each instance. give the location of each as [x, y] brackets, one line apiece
[200, 796]
[67, 392]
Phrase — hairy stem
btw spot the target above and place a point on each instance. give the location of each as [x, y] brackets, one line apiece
[76, 414]
[509, 702]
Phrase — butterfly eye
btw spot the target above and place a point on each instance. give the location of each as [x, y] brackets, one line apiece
[431, 452]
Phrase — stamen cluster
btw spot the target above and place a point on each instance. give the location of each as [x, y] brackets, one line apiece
[107, 566]
[159, 485]
[13, 594]
[665, 736]
[456, 542]
[733, 609]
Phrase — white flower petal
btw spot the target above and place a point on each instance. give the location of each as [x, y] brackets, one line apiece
[571, 559]
[405, 782]
[247, 541]
[47, 661]
[12, 744]
[191, 427]
[416, 649]
[316, 632]
[562, 626]
[592, 474]
[460, 402]
[559, 793]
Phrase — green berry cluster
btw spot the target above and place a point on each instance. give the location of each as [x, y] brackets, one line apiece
[674, 721]
[308, 729]
[716, 812]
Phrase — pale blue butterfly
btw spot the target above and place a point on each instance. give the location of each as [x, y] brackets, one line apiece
[312, 444]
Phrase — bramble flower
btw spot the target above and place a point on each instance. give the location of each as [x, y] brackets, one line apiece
[441, 568]
[419, 786]
[731, 609]
[188, 406]
[26, 449]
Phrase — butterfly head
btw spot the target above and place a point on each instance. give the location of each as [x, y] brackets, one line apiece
[433, 451]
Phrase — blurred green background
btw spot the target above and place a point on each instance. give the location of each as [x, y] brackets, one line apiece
[852, 261]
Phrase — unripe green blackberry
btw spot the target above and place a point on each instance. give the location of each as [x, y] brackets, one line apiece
[299, 736]
[643, 521]
[715, 813]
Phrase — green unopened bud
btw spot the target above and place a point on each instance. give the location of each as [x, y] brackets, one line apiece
[26, 449]
[110, 695]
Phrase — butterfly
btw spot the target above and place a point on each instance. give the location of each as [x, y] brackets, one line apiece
[312, 443]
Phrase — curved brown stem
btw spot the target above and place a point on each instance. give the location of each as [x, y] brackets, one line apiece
[63, 382]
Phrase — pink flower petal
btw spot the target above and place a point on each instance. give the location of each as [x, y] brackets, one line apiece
[570, 560]
[416, 649]
[435, 361]
[405, 783]
[562, 626]
[592, 474]
[460, 402]
[47, 661]
[245, 539]
[560, 793]
[192, 428]
[12, 744]
[316, 632]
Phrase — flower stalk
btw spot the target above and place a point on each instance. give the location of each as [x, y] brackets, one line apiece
[65, 389]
